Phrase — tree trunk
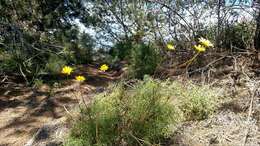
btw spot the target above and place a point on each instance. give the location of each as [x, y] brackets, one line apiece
[219, 24]
[257, 31]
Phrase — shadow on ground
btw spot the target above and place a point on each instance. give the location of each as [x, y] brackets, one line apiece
[23, 110]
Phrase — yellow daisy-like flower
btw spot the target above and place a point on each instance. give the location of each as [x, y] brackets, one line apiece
[200, 48]
[205, 42]
[66, 70]
[80, 78]
[103, 67]
[170, 47]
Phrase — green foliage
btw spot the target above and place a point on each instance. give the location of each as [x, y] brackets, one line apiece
[37, 83]
[238, 36]
[37, 31]
[235, 36]
[195, 102]
[121, 50]
[7, 63]
[85, 51]
[141, 114]
[55, 64]
[144, 60]
[77, 142]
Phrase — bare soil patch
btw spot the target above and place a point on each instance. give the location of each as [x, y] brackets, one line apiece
[24, 111]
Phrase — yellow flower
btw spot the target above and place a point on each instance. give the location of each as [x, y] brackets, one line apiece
[205, 42]
[200, 48]
[170, 47]
[103, 67]
[67, 70]
[80, 78]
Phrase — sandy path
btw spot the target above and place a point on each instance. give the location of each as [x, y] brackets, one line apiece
[24, 110]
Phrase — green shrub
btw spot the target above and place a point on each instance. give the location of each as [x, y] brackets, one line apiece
[235, 36]
[85, 51]
[7, 63]
[238, 35]
[122, 50]
[195, 102]
[144, 60]
[55, 64]
[37, 83]
[139, 115]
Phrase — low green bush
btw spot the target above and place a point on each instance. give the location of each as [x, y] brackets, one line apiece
[144, 60]
[233, 37]
[55, 64]
[122, 50]
[238, 36]
[7, 63]
[140, 114]
[196, 102]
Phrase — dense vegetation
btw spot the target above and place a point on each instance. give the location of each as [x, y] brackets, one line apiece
[39, 37]
[143, 114]
[149, 43]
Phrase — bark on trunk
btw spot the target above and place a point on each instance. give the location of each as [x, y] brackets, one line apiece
[257, 33]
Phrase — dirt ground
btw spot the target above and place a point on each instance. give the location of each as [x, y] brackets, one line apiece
[28, 116]
[236, 121]
[24, 110]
